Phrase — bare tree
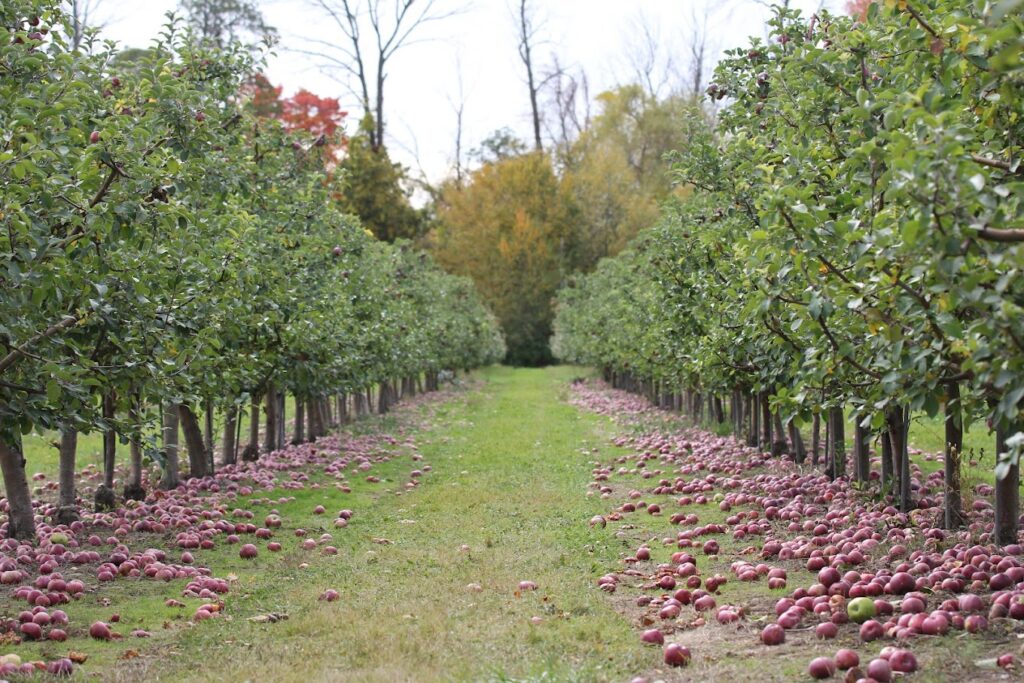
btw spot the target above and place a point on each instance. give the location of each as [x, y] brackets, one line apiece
[83, 17]
[570, 102]
[698, 49]
[371, 35]
[527, 36]
[650, 57]
[459, 108]
[223, 22]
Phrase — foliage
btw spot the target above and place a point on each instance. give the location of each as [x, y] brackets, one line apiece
[854, 234]
[376, 189]
[222, 23]
[509, 229]
[162, 242]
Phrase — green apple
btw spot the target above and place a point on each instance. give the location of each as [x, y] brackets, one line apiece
[861, 609]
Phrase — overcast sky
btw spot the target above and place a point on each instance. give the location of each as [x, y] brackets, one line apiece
[479, 43]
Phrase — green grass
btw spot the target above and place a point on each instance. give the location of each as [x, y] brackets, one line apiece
[509, 480]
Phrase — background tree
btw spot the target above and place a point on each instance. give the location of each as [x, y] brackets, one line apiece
[526, 37]
[223, 22]
[372, 32]
[509, 229]
[376, 189]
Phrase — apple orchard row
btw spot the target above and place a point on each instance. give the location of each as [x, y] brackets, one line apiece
[168, 256]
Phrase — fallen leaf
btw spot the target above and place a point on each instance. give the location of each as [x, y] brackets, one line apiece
[270, 618]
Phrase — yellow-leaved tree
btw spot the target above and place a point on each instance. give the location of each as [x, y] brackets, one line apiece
[510, 227]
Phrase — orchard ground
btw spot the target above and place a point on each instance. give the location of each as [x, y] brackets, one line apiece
[429, 580]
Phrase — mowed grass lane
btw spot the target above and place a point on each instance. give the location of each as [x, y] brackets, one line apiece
[509, 476]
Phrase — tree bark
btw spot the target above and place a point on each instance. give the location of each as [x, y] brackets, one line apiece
[252, 451]
[104, 498]
[816, 439]
[837, 441]
[311, 411]
[766, 423]
[228, 447]
[954, 446]
[270, 432]
[67, 499]
[197, 459]
[1007, 495]
[170, 442]
[862, 462]
[799, 453]
[887, 464]
[299, 433]
[754, 415]
[779, 445]
[896, 421]
[21, 523]
[133, 488]
[208, 434]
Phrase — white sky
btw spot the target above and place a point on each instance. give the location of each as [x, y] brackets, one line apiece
[480, 41]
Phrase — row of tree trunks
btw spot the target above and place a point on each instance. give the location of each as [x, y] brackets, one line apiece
[321, 414]
[754, 423]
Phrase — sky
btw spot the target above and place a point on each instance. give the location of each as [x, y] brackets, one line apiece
[474, 52]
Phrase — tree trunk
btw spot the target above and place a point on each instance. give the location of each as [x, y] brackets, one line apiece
[887, 464]
[299, 432]
[766, 423]
[799, 453]
[208, 434]
[862, 462]
[382, 398]
[252, 451]
[754, 415]
[193, 442]
[270, 433]
[815, 439]
[104, 498]
[133, 488]
[1007, 495]
[67, 500]
[837, 441]
[228, 448]
[170, 438]
[311, 419]
[953, 506]
[896, 421]
[779, 445]
[21, 523]
[282, 419]
[719, 409]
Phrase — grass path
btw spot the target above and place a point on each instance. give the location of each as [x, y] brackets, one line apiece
[509, 474]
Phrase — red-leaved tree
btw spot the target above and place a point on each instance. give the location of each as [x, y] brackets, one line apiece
[322, 117]
[858, 8]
